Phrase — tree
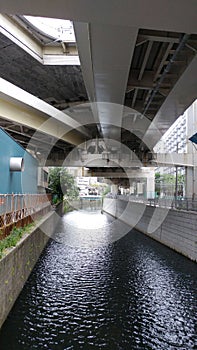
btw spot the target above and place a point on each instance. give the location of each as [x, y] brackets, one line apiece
[166, 183]
[62, 183]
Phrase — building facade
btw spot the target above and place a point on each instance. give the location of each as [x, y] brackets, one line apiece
[16, 178]
[176, 139]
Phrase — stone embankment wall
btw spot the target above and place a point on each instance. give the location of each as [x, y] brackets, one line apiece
[176, 229]
[17, 264]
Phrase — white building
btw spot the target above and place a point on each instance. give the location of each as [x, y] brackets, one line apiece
[176, 139]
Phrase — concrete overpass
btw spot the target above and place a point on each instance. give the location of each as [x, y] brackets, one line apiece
[130, 74]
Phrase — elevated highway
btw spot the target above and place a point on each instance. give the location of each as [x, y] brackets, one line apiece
[122, 160]
[130, 74]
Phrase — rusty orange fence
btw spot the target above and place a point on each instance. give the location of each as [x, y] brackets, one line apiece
[21, 209]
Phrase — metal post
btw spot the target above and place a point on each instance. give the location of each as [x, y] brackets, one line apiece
[176, 186]
[176, 179]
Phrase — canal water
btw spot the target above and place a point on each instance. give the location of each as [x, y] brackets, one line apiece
[91, 291]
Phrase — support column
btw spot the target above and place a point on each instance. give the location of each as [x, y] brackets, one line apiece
[151, 186]
[191, 173]
[114, 189]
[142, 180]
[191, 182]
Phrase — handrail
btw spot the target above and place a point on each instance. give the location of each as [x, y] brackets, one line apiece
[183, 203]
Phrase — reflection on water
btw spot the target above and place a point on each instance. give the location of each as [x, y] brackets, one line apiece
[85, 220]
[89, 229]
[130, 294]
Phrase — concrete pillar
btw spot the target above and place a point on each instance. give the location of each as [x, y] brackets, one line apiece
[143, 176]
[191, 173]
[114, 189]
[151, 186]
[191, 182]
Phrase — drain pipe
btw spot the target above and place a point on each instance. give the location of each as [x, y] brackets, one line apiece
[166, 70]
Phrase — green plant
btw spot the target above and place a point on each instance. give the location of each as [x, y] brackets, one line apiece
[67, 207]
[62, 184]
[14, 237]
[106, 190]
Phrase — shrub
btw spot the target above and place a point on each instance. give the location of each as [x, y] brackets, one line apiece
[14, 237]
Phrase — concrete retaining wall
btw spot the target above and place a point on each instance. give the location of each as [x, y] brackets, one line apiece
[174, 228]
[17, 265]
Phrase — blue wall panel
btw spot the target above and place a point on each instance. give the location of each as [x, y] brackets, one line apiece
[16, 182]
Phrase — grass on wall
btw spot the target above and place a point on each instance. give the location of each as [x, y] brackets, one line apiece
[14, 237]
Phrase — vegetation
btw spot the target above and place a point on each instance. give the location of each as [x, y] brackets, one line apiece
[67, 206]
[62, 185]
[102, 188]
[166, 183]
[106, 190]
[14, 237]
[169, 178]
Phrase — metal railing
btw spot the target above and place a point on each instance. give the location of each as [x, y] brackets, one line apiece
[17, 207]
[85, 203]
[188, 204]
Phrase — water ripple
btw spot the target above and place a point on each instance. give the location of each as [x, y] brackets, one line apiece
[132, 294]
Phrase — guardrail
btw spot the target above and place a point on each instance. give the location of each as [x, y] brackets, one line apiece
[188, 204]
[23, 208]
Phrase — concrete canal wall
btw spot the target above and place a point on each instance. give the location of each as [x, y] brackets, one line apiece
[16, 266]
[177, 229]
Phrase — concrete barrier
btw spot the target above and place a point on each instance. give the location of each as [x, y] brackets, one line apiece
[177, 229]
[17, 264]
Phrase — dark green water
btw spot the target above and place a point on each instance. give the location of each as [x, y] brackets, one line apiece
[87, 292]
